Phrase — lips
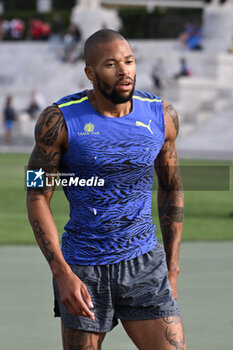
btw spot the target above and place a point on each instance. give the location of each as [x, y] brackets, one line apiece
[125, 85]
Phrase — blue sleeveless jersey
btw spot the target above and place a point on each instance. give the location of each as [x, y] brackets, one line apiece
[113, 160]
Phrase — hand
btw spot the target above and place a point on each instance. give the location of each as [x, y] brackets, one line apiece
[74, 295]
[172, 277]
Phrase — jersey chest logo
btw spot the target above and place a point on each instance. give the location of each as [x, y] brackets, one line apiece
[144, 125]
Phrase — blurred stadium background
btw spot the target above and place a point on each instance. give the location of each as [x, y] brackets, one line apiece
[184, 53]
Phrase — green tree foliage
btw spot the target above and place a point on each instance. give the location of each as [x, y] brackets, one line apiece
[137, 22]
[12, 5]
[161, 23]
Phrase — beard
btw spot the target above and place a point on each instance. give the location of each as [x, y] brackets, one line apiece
[114, 96]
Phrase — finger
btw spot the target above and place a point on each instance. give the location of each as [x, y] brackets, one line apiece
[85, 309]
[173, 287]
[174, 291]
[86, 297]
[75, 308]
[83, 313]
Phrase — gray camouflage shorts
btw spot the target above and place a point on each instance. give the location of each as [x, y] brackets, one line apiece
[136, 289]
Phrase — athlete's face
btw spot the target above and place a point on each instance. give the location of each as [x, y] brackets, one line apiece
[114, 74]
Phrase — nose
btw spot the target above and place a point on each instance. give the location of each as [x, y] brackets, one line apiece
[123, 70]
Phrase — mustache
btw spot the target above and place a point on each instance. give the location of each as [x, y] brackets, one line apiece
[125, 78]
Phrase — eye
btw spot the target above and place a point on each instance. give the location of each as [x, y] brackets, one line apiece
[129, 61]
[109, 65]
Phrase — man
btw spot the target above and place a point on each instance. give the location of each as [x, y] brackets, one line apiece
[9, 117]
[111, 266]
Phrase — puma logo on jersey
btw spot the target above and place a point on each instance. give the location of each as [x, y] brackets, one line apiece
[144, 125]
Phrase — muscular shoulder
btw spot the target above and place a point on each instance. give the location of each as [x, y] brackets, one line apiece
[51, 128]
[171, 121]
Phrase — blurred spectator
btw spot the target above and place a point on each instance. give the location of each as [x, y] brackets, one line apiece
[158, 73]
[194, 41]
[192, 37]
[36, 104]
[17, 28]
[56, 36]
[12, 30]
[71, 40]
[1, 28]
[9, 117]
[184, 69]
[57, 28]
[5, 29]
[39, 30]
[183, 37]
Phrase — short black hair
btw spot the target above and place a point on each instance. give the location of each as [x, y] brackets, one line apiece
[99, 37]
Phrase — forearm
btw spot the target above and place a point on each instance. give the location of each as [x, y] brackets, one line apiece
[171, 212]
[46, 233]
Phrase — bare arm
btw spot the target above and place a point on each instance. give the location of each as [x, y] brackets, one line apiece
[46, 155]
[170, 195]
[51, 141]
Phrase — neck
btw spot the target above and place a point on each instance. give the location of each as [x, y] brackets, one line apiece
[105, 107]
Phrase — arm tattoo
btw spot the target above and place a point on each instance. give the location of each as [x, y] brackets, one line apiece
[169, 149]
[45, 154]
[169, 215]
[169, 178]
[53, 121]
[39, 233]
[170, 192]
[170, 232]
[48, 161]
[170, 207]
[33, 199]
[40, 158]
[48, 128]
[173, 114]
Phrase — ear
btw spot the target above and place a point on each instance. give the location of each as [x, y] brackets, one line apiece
[89, 73]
